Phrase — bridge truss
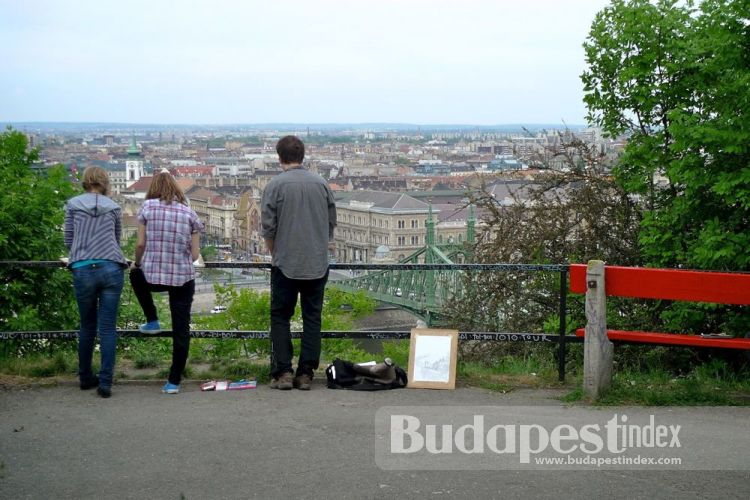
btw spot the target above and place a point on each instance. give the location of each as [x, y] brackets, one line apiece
[422, 292]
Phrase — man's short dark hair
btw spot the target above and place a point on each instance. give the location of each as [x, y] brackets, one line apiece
[290, 149]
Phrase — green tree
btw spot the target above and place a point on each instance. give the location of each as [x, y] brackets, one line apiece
[209, 253]
[570, 214]
[673, 78]
[712, 138]
[31, 220]
[636, 54]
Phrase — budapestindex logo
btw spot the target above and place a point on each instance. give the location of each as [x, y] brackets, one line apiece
[534, 437]
[525, 440]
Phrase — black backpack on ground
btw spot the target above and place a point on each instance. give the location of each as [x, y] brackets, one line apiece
[347, 375]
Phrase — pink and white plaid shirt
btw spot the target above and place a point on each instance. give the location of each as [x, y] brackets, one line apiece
[169, 229]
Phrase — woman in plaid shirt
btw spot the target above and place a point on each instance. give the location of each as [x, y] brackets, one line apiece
[168, 243]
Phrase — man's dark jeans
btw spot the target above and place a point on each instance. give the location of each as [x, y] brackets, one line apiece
[284, 293]
[180, 302]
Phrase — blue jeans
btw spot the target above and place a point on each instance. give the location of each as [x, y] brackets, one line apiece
[98, 288]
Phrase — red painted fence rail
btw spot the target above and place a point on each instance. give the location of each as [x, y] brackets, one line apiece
[670, 284]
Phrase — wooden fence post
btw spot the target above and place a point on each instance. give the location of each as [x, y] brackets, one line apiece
[597, 349]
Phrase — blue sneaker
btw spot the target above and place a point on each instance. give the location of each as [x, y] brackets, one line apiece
[150, 327]
[170, 389]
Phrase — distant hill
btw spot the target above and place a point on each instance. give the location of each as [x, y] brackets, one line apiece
[259, 127]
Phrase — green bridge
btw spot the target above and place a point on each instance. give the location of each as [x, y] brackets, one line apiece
[424, 293]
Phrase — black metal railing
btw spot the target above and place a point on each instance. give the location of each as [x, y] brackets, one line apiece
[561, 339]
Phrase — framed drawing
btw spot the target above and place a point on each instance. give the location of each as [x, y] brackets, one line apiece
[432, 358]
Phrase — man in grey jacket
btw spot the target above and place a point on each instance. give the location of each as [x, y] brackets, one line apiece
[298, 216]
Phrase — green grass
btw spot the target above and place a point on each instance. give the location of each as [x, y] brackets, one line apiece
[147, 360]
[709, 384]
[645, 377]
[41, 366]
[144, 354]
[188, 373]
[235, 370]
[398, 351]
[345, 349]
[506, 373]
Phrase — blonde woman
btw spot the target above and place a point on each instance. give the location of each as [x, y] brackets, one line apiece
[93, 226]
[168, 243]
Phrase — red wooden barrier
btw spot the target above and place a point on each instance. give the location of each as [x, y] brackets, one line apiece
[673, 339]
[668, 284]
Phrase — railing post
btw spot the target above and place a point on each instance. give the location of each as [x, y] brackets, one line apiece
[597, 349]
[563, 325]
[271, 359]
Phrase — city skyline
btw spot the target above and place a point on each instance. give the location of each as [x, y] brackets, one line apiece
[474, 63]
[254, 128]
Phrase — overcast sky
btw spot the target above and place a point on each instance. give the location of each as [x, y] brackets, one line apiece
[477, 62]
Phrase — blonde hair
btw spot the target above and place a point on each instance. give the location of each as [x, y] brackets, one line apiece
[165, 188]
[95, 179]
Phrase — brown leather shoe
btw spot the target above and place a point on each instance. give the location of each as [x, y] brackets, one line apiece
[302, 382]
[284, 382]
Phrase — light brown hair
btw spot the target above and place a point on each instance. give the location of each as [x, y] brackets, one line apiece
[165, 188]
[95, 179]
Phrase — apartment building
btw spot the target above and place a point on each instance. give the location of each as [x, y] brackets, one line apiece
[217, 211]
[117, 181]
[247, 223]
[368, 220]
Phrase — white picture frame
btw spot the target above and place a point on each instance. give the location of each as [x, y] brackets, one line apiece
[432, 358]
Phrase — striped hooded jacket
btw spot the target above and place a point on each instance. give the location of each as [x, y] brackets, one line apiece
[93, 225]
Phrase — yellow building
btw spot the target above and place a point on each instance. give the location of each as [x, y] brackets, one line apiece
[217, 212]
[368, 220]
[247, 223]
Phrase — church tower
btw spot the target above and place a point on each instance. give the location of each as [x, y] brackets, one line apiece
[133, 165]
